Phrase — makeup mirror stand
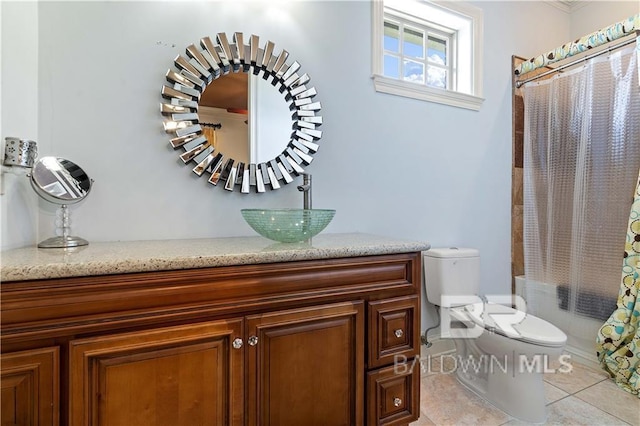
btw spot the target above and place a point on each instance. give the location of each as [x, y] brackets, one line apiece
[62, 182]
[65, 240]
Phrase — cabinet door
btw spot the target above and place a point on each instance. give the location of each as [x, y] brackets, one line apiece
[30, 387]
[184, 375]
[306, 366]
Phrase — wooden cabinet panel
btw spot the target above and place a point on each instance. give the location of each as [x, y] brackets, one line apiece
[394, 330]
[307, 365]
[30, 387]
[185, 375]
[156, 348]
[393, 395]
[57, 308]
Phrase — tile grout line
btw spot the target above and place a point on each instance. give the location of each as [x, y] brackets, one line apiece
[574, 394]
[590, 386]
[587, 402]
[579, 390]
[568, 394]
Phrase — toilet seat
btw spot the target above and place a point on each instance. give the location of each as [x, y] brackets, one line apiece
[530, 329]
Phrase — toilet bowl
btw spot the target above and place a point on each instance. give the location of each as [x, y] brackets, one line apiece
[501, 352]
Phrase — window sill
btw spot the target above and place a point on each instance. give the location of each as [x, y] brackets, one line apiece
[423, 93]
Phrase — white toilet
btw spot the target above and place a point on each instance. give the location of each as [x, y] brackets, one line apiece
[501, 353]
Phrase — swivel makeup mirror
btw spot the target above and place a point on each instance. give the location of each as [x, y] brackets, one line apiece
[61, 182]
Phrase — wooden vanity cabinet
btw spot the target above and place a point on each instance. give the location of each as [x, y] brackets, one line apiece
[308, 342]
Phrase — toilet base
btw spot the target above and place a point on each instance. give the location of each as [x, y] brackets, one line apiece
[502, 381]
[520, 395]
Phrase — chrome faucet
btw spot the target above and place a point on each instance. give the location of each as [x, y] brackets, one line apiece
[306, 189]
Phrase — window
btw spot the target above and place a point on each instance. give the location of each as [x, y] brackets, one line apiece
[419, 54]
[427, 51]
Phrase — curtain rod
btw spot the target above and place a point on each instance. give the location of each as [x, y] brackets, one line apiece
[214, 125]
[594, 39]
[520, 83]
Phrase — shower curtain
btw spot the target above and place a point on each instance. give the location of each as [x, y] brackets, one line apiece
[618, 341]
[582, 155]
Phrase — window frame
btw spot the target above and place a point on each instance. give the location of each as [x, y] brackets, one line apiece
[448, 35]
[450, 96]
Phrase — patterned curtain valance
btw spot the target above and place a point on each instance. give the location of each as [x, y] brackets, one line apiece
[596, 38]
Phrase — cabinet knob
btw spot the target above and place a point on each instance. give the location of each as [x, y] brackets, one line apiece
[397, 402]
[253, 340]
[237, 343]
[399, 333]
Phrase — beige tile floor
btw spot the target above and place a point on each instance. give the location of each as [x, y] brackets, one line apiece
[585, 396]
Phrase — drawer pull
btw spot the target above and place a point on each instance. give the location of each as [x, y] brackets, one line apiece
[397, 402]
[399, 333]
[237, 343]
[253, 340]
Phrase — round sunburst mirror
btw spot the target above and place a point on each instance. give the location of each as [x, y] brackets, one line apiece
[260, 97]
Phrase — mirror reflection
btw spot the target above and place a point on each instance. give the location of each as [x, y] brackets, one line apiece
[245, 117]
[60, 181]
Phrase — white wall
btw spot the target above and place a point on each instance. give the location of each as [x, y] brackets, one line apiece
[389, 165]
[18, 117]
[590, 16]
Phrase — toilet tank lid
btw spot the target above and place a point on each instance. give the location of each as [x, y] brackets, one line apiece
[450, 252]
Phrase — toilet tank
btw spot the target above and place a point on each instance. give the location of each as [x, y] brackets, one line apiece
[451, 271]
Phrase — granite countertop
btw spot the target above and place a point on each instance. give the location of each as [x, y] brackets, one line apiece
[103, 258]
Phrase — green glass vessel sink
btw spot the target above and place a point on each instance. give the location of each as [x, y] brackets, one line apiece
[288, 225]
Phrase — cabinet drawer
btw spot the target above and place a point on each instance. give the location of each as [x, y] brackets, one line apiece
[393, 394]
[394, 330]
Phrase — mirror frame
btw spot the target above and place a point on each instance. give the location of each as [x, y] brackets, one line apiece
[195, 71]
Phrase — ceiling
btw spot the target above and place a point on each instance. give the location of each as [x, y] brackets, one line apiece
[567, 5]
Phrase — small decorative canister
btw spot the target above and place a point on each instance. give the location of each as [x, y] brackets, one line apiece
[19, 152]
